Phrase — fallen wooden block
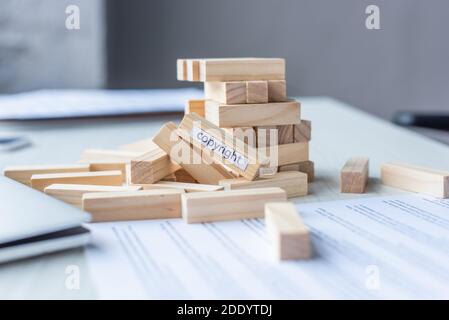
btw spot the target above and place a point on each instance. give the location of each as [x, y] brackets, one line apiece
[226, 92]
[198, 165]
[256, 92]
[285, 134]
[354, 175]
[228, 205]
[220, 145]
[302, 131]
[133, 205]
[99, 155]
[288, 233]
[267, 136]
[182, 175]
[232, 69]
[106, 178]
[73, 193]
[416, 179]
[23, 174]
[292, 182]
[307, 167]
[151, 167]
[170, 177]
[277, 91]
[109, 166]
[140, 146]
[187, 187]
[248, 115]
[285, 153]
[195, 106]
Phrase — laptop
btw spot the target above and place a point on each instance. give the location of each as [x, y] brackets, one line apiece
[32, 223]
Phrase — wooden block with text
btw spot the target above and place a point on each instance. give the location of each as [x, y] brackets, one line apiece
[293, 183]
[231, 92]
[277, 91]
[307, 167]
[302, 131]
[251, 115]
[106, 178]
[416, 179]
[256, 92]
[288, 233]
[133, 205]
[354, 175]
[228, 205]
[23, 174]
[195, 106]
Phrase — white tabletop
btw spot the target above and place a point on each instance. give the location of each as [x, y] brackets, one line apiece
[338, 133]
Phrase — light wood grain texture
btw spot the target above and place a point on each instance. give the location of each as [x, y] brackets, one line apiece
[100, 155]
[226, 92]
[182, 175]
[288, 233]
[354, 175]
[187, 187]
[285, 134]
[246, 134]
[133, 205]
[302, 131]
[256, 92]
[228, 205]
[267, 136]
[286, 153]
[190, 158]
[307, 167]
[106, 178]
[249, 115]
[193, 70]
[222, 137]
[73, 193]
[151, 167]
[195, 106]
[109, 166]
[140, 146]
[293, 183]
[416, 179]
[181, 69]
[23, 174]
[277, 91]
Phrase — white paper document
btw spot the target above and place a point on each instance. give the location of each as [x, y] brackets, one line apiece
[383, 247]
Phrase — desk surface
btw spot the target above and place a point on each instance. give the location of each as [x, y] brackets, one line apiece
[339, 132]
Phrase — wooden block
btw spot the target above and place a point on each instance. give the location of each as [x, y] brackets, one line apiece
[285, 153]
[285, 134]
[302, 131]
[251, 115]
[187, 187]
[181, 69]
[151, 167]
[109, 166]
[99, 155]
[198, 165]
[306, 167]
[416, 179]
[256, 92]
[133, 205]
[73, 193]
[277, 91]
[228, 205]
[267, 136]
[222, 146]
[288, 233]
[226, 92]
[195, 106]
[140, 146]
[245, 134]
[354, 175]
[182, 175]
[193, 70]
[106, 178]
[293, 183]
[237, 69]
[267, 172]
[23, 174]
[170, 177]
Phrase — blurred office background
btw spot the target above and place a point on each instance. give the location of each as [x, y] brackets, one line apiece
[329, 51]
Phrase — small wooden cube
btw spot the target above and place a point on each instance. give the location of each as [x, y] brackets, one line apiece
[277, 91]
[354, 175]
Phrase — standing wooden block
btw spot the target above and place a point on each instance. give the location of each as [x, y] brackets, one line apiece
[286, 153]
[99, 155]
[181, 69]
[416, 179]
[133, 205]
[105, 178]
[193, 70]
[222, 147]
[248, 115]
[195, 106]
[307, 167]
[267, 136]
[285, 134]
[288, 233]
[256, 92]
[189, 158]
[73, 193]
[228, 205]
[354, 175]
[151, 167]
[302, 132]
[226, 92]
[277, 91]
[23, 174]
[187, 187]
[293, 183]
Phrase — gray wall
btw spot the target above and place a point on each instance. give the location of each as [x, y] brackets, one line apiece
[328, 49]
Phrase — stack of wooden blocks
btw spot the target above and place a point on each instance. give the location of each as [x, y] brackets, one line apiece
[248, 98]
